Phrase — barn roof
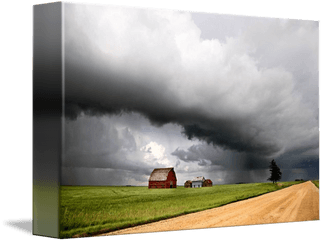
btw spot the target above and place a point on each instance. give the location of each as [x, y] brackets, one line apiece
[199, 179]
[160, 174]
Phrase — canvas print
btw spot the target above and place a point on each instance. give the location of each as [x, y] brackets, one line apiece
[178, 120]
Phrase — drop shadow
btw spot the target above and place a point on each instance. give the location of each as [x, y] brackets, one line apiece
[23, 225]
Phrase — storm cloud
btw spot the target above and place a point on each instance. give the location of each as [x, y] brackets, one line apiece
[239, 94]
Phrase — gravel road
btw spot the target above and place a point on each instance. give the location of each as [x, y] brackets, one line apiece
[296, 203]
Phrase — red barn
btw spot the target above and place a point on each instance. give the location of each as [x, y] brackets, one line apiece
[162, 178]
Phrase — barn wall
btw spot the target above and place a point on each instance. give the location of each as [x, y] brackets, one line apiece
[161, 184]
[207, 183]
[197, 184]
[157, 184]
[171, 177]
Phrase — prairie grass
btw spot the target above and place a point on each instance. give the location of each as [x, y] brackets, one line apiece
[88, 210]
[316, 183]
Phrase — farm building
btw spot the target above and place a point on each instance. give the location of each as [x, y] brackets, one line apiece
[207, 183]
[198, 182]
[162, 178]
[188, 184]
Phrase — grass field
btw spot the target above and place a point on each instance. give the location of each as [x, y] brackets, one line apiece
[316, 182]
[87, 210]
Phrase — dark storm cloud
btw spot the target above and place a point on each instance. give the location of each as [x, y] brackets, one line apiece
[206, 154]
[299, 164]
[154, 63]
[96, 143]
[98, 176]
[228, 136]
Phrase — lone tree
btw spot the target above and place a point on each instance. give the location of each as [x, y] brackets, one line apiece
[275, 172]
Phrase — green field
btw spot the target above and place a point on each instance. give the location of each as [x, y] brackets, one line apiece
[87, 210]
[316, 182]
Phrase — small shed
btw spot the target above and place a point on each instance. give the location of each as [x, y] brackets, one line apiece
[162, 178]
[188, 184]
[208, 183]
[198, 182]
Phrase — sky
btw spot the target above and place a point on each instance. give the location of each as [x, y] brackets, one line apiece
[211, 95]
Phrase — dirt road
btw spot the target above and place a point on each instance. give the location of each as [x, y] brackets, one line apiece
[296, 203]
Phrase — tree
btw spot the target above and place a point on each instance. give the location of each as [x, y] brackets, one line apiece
[275, 172]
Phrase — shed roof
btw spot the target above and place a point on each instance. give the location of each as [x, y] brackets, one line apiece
[199, 179]
[160, 174]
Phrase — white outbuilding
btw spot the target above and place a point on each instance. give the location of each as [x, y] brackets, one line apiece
[198, 182]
